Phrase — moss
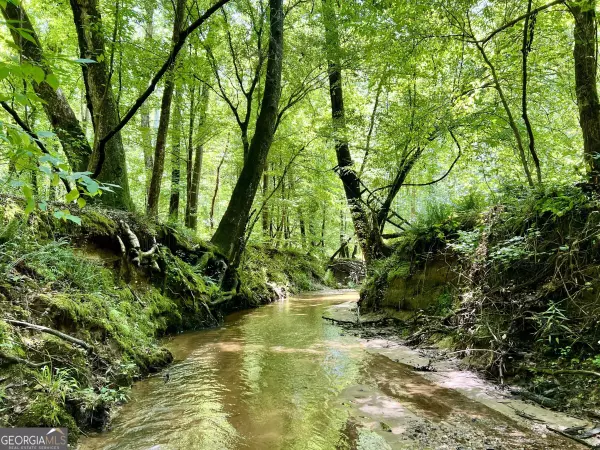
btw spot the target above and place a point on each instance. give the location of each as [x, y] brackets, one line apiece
[293, 270]
[45, 412]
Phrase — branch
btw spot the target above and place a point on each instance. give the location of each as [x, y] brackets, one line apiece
[449, 170]
[518, 19]
[33, 136]
[264, 203]
[157, 77]
[56, 333]
[17, 360]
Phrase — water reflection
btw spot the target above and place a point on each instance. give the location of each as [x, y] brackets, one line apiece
[281, 377]
[268, 379]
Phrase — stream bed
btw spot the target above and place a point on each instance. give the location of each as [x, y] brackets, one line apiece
[281, 377]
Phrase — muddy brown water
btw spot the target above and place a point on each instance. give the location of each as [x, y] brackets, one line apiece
[281, 377]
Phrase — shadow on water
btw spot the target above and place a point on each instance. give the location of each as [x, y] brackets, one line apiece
[276, 378]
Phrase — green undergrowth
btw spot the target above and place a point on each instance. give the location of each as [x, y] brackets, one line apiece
[289, 270]
[522, 281]
[75, 280]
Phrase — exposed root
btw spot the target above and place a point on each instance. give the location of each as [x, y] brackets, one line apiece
[51, 331]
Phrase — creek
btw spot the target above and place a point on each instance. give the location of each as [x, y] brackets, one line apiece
[281, 377]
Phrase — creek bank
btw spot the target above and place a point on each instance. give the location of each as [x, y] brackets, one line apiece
[84, 305]
[513, 288]
[448, 375]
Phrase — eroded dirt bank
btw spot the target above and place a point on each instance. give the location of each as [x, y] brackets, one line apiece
[283, 377]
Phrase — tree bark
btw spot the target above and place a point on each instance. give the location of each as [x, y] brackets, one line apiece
[60, 115]
[230, 233]
[105, 115]
[175, 160]
[216, 191]
[145, 110]
[585, 56]
[265, 211]
[192, 213]
[163, 124]
[367, 234]
[189, 162]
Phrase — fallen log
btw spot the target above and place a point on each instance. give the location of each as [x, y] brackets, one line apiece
[540, 399]
[51, 331]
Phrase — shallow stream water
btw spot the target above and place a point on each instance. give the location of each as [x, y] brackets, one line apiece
[281, 377]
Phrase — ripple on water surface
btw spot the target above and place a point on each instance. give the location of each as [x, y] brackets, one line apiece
[268, 379]
[280, 377]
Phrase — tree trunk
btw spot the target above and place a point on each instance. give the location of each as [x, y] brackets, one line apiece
[265, 211]
[216, 192]
[60, 115]
[511, 120]
[145, 109]
[163, 123]
[230, 233]
[189, 162]
[584, 52]
[367, 234]
[192, 212]
[105, 115]
[175, 160]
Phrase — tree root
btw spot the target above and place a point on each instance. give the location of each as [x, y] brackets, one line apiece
[17, 360]
[56, 333]
[575, 438]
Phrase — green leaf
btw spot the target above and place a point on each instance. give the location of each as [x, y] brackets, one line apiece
[72, 195]
[38, 74]
[43, 205]
[52, 81]
[4, 71]
[81, 202]
[91, 186]
[73, 218]
[55, 180]
[27, 191]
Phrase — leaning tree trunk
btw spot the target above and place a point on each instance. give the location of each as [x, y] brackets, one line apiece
[163, 123]
[230, 233]
[176, 161]
[584, 53]
[57, 108]
[105, 114]
[191, 215]
[366, 230]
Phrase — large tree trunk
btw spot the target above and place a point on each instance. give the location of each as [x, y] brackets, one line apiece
[366, 230]
[230, 233]
[191, 219]
[60, 115]
[163, 124]
[105, 115]
[176, 160]
[584, 52]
